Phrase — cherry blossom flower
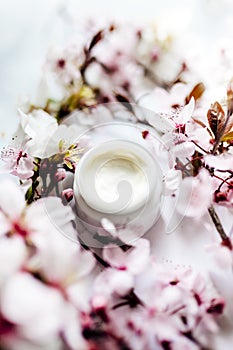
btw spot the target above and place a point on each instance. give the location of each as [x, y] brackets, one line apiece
[61, 73]
[166, 305]
[17, 162]
[157, 55]
[38, 217]
[14, 290]
[119, 283]
[114, 68]
[38, 126]
[128, 260]
[63, 147]
[65, 63]
[173, 121]
[24, 301]
[62, 264]
[162, 101]
[125, 265]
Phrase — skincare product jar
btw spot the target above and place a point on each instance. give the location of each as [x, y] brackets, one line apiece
[118, 180]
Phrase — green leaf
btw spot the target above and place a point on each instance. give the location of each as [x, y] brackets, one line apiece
[227, 137]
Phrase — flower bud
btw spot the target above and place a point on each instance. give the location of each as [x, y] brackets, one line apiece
[60, 175]
[67, 195]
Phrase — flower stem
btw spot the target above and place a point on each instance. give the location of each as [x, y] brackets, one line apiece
[201, 148]
[217, 223]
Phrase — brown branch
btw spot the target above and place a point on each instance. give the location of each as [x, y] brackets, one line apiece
[217, 223]
[196, 144]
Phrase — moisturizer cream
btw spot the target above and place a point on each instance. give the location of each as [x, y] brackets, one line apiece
[118, 180]
[113, 172]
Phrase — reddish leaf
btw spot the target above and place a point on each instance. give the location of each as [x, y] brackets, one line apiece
[230, 98]
[196, 92]
[229, 123]
[216, 118]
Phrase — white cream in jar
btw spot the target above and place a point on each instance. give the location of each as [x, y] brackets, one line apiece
[122, 168]
[118, 180]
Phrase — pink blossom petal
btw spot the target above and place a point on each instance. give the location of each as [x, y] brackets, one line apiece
[115, 256]
[86, 263]
[61, 260]
[39, 126]
[221, 162]
[161, 123]
[72, 329]
[172, 180]
[12, 200]
[13, 254]
[141, 249]
[49, 213]
[187, 111]
[157, 101]
[184, 149]
[5, 224]
[25, 300]
[221, 255]
[25, 168]
[80, 294]
[195, 195]
[119, 282]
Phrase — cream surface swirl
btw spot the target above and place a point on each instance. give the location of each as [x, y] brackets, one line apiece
[116, 177]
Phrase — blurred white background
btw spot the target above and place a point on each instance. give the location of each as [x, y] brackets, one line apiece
[29, 27]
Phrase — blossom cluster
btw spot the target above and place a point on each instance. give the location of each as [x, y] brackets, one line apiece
[56, 292]
[53, 294]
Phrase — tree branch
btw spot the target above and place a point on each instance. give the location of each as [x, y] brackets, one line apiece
[217, 223]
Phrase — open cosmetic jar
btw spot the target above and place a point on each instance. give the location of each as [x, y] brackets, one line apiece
[121, 181]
